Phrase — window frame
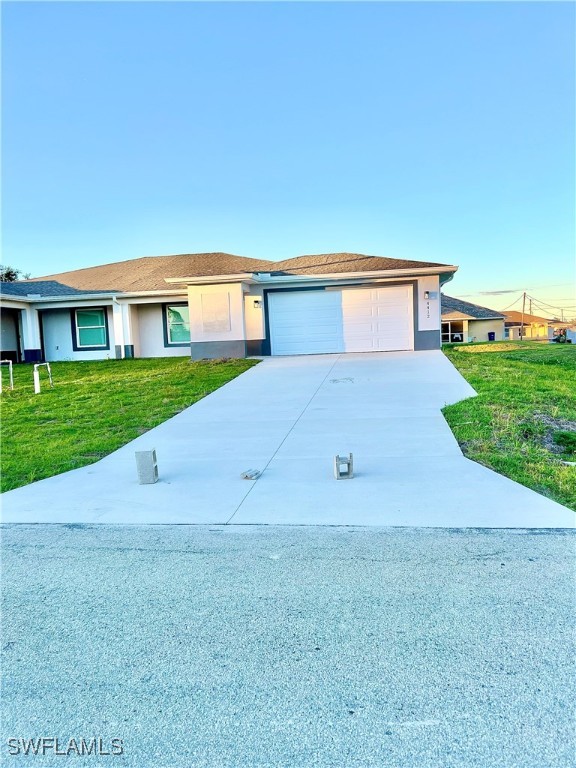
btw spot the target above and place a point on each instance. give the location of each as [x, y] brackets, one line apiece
[451, 333]
[76, 346]
[166, 325]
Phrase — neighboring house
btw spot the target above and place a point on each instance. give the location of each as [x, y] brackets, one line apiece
[215, 305]
[463, 321]
[520, 325]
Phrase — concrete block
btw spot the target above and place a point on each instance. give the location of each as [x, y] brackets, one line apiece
[343, 467]
[147, 467]
[251, 474]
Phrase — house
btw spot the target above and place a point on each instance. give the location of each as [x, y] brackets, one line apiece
[524, 325]
[213, 305]
[463, 321]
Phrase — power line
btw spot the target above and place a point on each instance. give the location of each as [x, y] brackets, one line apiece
[543, 303]
[539, 304]
[511, 305]
[547, 307]
[495, 294]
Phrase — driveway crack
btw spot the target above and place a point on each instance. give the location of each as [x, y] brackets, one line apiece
[286, 436]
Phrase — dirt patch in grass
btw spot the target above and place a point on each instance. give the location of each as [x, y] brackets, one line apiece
[559, 435]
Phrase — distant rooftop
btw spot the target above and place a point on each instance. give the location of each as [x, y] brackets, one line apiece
[45, 288]
[450, 304]
[516, 317]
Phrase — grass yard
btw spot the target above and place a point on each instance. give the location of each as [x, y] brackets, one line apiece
[94, 408]
[523, 422]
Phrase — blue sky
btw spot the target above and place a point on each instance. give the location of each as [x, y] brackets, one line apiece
[431, 131]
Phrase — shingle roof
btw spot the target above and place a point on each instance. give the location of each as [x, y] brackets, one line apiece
[516, 317]
[449, 304]
[45, 288]
[148, 273]
[325, 263]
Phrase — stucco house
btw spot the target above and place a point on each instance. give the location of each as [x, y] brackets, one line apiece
[528, 326]
[213, 305]
[463, 322]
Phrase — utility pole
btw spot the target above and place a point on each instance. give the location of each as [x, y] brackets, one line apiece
[522, 323]
[530, 309]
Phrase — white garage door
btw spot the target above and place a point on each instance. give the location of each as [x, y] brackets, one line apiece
[347, 320]
[305, 322]
[378, 319]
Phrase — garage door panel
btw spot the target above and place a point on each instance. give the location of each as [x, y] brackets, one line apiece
[358, 326]
[303, 335]
[326, 326]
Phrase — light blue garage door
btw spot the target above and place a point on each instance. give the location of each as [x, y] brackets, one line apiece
[305, 322]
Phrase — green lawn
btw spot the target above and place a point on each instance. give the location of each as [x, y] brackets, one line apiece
[94, 408]
[523, 422]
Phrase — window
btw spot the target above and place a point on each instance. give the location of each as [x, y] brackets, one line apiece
[452, 331]
[177, 324]
[91, 329]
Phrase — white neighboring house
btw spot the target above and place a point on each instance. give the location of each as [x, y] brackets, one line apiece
[464, 322]
[216, 305]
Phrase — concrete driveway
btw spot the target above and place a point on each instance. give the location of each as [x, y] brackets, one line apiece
[288, 417]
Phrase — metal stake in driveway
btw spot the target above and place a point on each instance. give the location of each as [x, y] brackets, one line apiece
[343, 467]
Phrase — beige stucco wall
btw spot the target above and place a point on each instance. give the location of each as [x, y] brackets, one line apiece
[478, 329]
[536, 331]
[254, 315]
[133, 329]
[216, 312]
[531, 332]
[151, 334]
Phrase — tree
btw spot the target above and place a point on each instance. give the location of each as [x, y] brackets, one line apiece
[10, 274]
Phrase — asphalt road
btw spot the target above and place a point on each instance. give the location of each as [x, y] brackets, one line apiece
[250, 647]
